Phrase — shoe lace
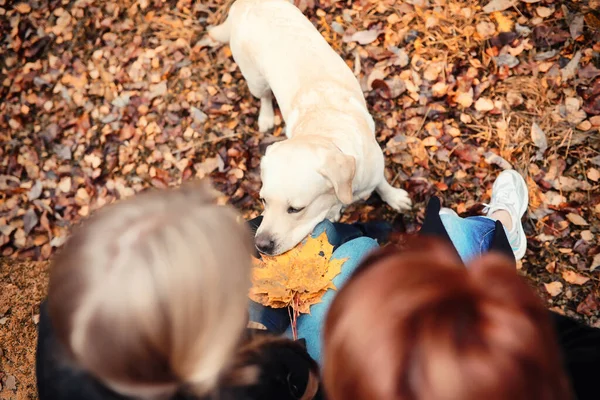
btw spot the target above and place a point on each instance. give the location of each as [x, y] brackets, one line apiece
[502, 196]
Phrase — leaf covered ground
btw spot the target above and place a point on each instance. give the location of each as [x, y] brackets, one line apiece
[102, 99]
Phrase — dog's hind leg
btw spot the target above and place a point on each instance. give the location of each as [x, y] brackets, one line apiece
[221, 33]
[396, 198]
[257, 84]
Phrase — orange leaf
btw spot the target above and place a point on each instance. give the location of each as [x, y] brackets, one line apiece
[574, 277]
[304, 273]
[554, 288]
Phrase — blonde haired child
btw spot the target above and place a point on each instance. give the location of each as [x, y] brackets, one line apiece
[147, 299]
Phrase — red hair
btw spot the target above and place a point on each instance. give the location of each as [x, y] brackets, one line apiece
[419, 325]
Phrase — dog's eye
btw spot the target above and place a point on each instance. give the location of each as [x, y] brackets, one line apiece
[292, 210]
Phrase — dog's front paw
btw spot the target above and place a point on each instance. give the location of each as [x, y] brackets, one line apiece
[335, 214]
[398, 199]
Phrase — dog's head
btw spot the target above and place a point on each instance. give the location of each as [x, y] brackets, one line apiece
[303, 183]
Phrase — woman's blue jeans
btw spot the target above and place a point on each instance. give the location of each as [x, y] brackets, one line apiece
[470, 236]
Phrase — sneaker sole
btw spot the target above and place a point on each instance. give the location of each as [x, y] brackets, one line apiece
[520, 253]
[523, 186]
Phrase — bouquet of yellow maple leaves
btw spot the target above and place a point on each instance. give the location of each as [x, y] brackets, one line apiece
[297, 279]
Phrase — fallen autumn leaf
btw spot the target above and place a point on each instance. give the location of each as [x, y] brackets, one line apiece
[298, 278]
[577, 219]
[554, 288]
[574, 277]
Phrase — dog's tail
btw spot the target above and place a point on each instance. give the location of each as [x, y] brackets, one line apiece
[221, 33]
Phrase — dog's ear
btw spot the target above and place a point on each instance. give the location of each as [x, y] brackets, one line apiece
[339, 169]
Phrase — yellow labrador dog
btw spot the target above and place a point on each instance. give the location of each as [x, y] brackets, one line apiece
[331, 157]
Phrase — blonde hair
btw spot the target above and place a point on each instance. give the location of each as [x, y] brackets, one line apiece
[150, 294]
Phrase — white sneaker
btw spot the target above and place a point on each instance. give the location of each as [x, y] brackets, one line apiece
[510, 194]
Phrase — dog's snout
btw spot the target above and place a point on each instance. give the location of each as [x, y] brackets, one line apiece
[265, 244]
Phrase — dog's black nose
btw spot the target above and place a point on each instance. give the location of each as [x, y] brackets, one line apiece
[265, 244]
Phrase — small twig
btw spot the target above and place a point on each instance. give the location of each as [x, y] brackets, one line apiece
[570, 136]
[186, 148]
[182, 15]
[218, 139]
[293, 315]
[423, 121]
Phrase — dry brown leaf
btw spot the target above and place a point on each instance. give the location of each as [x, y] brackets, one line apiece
[430, 141]
[595, 262]
[431, 22]
[577, 219]
[439, 89]
[570, 69]
[20, 238]
[554, 198]
[498, 5]
[589, 306]
[593, 174]
[492, 158]
[574, 278]
[30, 220]
[465, 99]
[10, 383]
[569, 184]
[507, 60]
[298, 278]
[433, 71]
[554, 288]
[576, 26]
[538, 136]
[572, 104]
[585, 126]
[514, 99]
[23, 8]
[587, 235]
[82, 197]
[65, 184]
[465, 118]
[35, 191]
[484, 104]
[544, 12]
[364, 37]
[486, 29]
[182, 164]
[208, 165]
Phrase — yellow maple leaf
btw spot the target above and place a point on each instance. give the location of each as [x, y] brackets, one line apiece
[298, 278]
